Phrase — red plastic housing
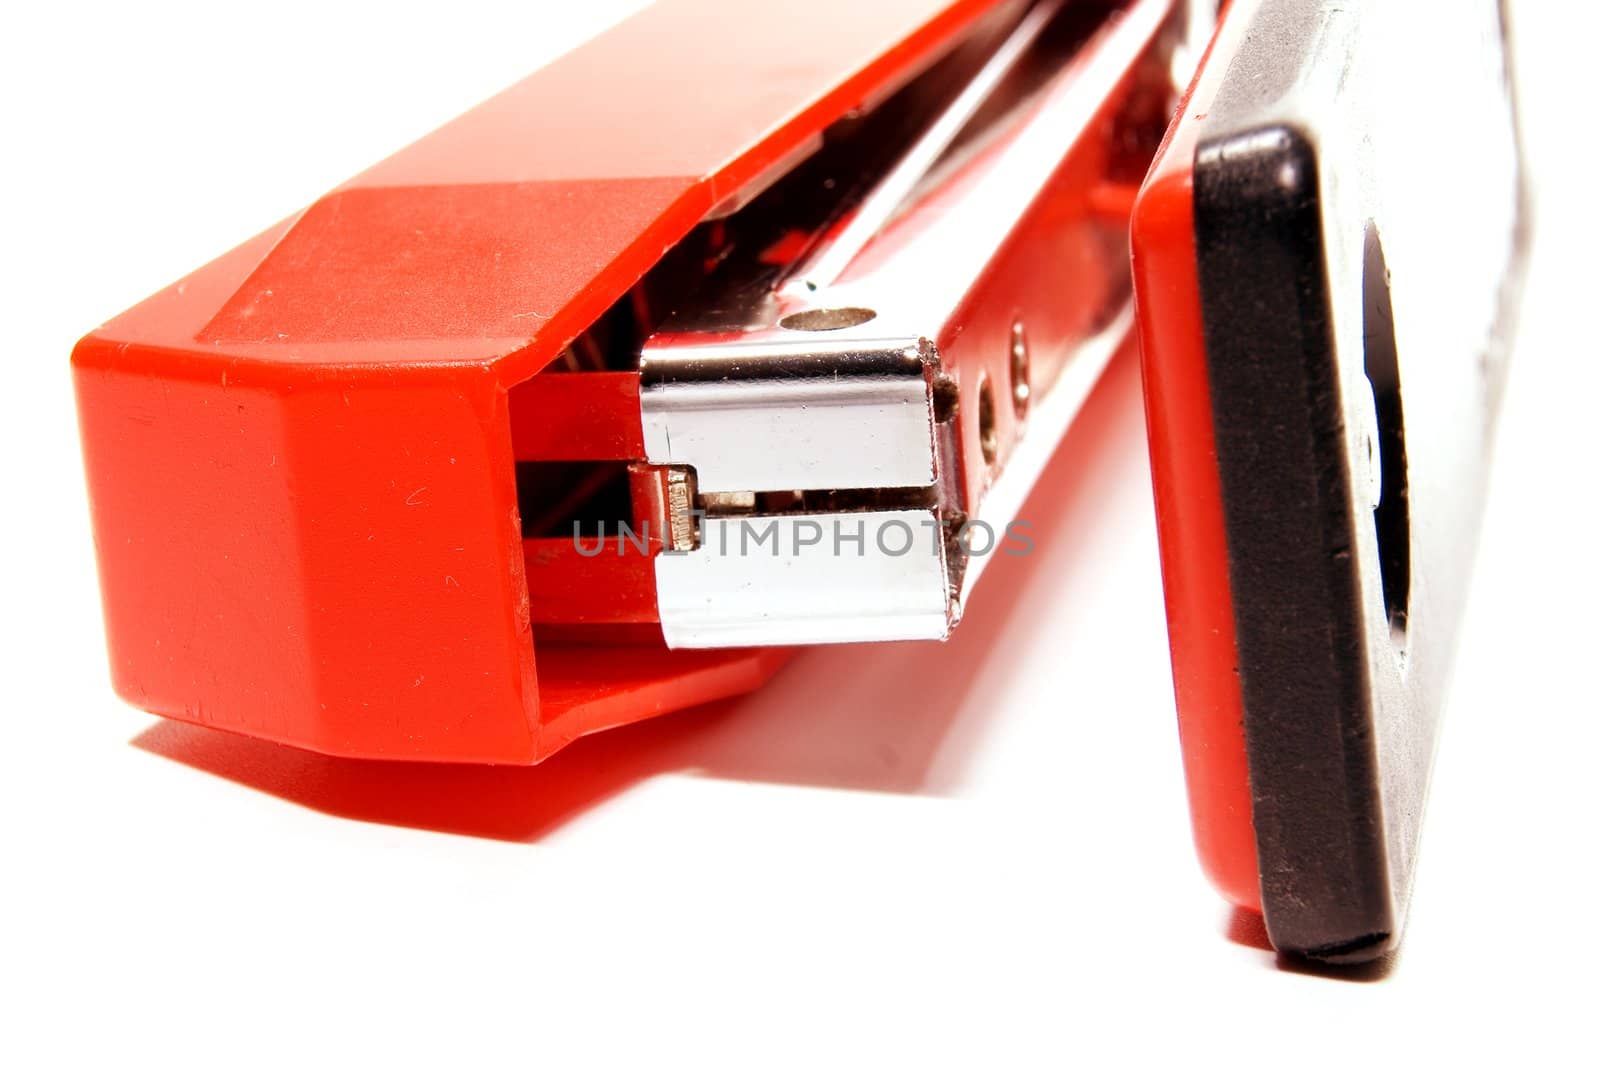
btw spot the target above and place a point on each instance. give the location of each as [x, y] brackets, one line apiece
[1188, 498]
[301, 457]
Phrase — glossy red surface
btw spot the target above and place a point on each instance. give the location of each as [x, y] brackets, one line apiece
[300, 457]
[1188, 498]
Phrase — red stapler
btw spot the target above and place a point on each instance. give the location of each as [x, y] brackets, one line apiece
[592, 403]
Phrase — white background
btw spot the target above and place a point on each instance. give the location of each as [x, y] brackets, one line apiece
[977, 851]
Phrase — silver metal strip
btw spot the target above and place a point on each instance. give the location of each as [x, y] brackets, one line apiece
[779, 413]
[805, 580]
[898, 184]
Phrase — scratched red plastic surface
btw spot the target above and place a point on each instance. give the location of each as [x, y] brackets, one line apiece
[300, 457]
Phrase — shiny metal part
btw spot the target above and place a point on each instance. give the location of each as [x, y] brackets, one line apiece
[807, 579]
[773, 410]
[831, 261]
[682, 533]
[850, 390]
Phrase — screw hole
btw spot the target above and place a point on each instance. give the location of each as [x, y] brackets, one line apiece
[819, 319]
[988, 437]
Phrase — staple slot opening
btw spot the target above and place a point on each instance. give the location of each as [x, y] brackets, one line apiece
[569, 500]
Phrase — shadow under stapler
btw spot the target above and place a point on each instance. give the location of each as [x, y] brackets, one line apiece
[870, 717]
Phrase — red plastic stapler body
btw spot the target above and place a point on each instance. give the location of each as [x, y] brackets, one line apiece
[348, 480]
[595, 401]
